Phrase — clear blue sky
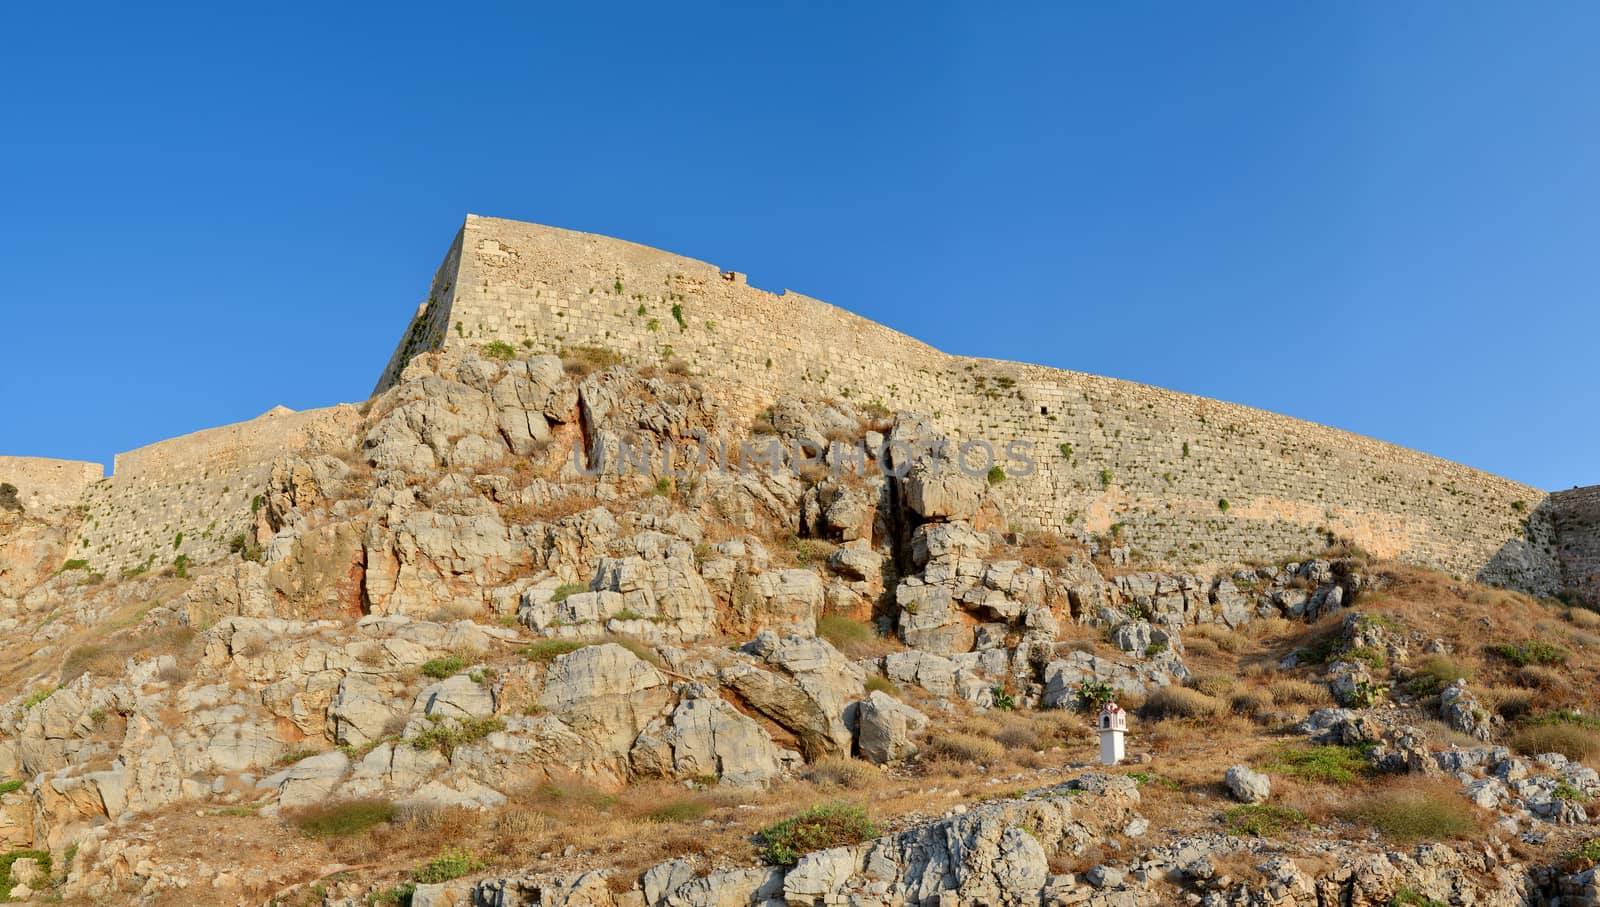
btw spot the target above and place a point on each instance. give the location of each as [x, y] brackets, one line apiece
[1376, 216]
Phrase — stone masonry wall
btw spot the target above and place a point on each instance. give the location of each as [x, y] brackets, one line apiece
[45, 486]
[1189, 481]
[1576, 514]
[203, 485]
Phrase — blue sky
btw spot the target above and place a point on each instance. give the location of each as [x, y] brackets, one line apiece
[1380, 217]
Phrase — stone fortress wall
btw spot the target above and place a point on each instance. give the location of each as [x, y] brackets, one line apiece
[46, 486]
[1575, 515]
[1187, 480]
[203, 485]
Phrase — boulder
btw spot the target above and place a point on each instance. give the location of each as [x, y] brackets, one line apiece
[1247, 785]
[886, 726]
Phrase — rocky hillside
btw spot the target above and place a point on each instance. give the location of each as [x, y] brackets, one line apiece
[488, 650]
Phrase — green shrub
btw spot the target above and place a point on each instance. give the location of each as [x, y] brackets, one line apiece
[1421, 812]
[440, 668]
[496, 349]
[677, 315]
[996, 475]
[1585, 856]
[567, 590]
[1222, 504]
[1092, 695]
[1105, 478]
[818, 828]
[1263, 819]
[180, 565]
[546, 650]
[449, 864]
[445, 735]
[341, 820]
[1327, 764]
[38, 696]
[76, 563]
[11, 786]
[1533, 652]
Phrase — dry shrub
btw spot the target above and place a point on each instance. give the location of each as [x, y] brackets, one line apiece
[1211, 684]
[1417, 810]
[855, 638]
[1056, 727]
[1510, 702]
[1019, 735]
[1583, 639]
[842, 771]
[1570, 740]
[1251, 700]
[1439, 732]
[1220, 636]
[581, 360]
[338, 820]
[1583, 618]
[981, 725]
[1181, 702]
[966, 748]
[1293, 690]
[1049, 550]
[1542, 677]
[557, 507]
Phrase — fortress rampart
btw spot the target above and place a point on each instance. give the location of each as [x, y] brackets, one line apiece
[1186, 480]
[1575, 515]
[184, 496]
[47, 486]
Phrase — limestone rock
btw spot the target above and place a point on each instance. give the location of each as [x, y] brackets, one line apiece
[886, 728]
[1247, 785]
[706, 736]
[605, 694]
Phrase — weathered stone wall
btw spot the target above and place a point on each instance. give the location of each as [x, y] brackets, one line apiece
[1576, 515]
[1108, 454]
[203, 485]
[44, 486]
